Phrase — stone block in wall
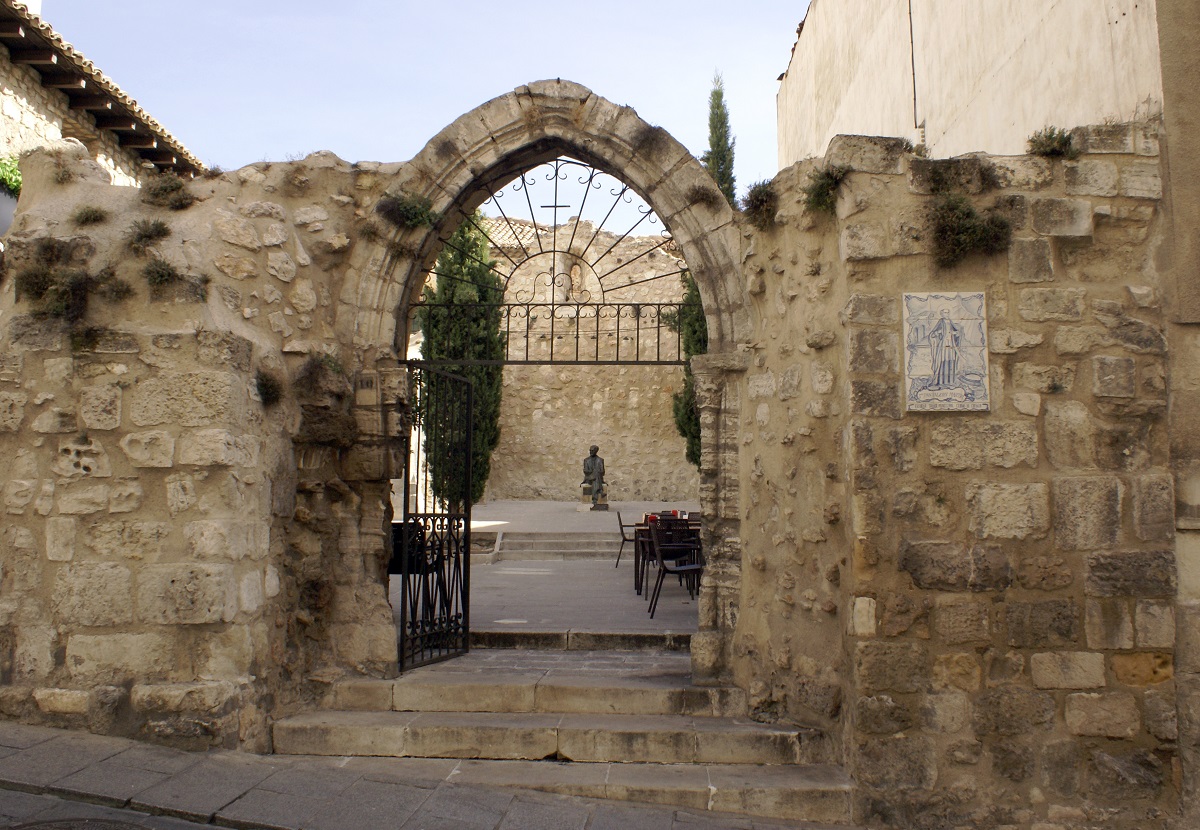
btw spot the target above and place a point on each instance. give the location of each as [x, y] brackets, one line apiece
[761, 385]
[129, 540]
[212, 697]
[1058, 305]
[896, 763]
[957, 670]
[81, 457]
[1091, 177]
[901, 443]
[1154, 623]
[1011, 341]
[1044, 573]
[100, 407]
[871, 309]
[1159, 714]
[1067, 670]
[12, 410]
[971, 444]
[1012, 710]
[55, 420]
[1062, 763]
[1042, 624]
[60, 538]
[224, 540]
[959, 622]
[1013, 760]
[235, 230]
[1103, 714]
[875, 351]
[189, 399]
[153, 448]
[1142, 180]
[1071, 218]
[890, 666]
[32, 334]
[1009, 511]
[950, 566]
[1096, 139]
[113, 657]
[1143, 668]
[875, 398]
[62, 701]
[1109, 624]
[1114, 377]
[1022, 172]
[1070, 435]
[93, 594]
[18, 493]
[81, 498]
[948, 712]
[1131, 573]
[1154, 507]
[1127, 331]
[867, 154]
[1030, 260]
[882, 715]
[1087, 512]
[236, 267]
[218, 448]
[186, 594]
[864, 241]
[224, 349]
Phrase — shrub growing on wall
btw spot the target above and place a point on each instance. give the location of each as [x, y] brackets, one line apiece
[10, 176]
[460, 318]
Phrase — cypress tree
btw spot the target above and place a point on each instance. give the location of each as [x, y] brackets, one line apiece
[718, 160]
[460, 318]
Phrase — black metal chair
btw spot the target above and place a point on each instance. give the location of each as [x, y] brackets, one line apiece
[676, 545]
[625, 537]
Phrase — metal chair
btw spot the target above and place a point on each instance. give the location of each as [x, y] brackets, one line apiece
[625, 537]
[677, 551]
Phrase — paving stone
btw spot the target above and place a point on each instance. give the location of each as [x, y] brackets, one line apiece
[107, 783]
[269, 809]
[526, 813]
[22, 736]
[624, 817]
[45, 763]
[468, 804]
[200, 791]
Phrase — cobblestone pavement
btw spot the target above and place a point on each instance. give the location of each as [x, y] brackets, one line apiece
[63, 780]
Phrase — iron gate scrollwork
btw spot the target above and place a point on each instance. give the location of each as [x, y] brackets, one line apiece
[431, 541]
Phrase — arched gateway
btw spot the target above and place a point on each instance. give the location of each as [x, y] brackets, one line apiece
[484, 148]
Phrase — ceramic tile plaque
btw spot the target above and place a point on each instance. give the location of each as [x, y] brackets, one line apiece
[945, 352]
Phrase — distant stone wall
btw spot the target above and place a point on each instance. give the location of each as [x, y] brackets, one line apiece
[33, 116]
[550, 415]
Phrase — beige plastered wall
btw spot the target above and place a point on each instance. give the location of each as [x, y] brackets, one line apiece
[987, 73]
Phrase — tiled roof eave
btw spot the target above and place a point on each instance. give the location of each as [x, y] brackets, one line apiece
[42, 35]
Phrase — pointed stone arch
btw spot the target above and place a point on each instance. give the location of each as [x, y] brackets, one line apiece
[537, 123]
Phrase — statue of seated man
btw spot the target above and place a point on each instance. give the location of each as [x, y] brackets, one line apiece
[593, 473]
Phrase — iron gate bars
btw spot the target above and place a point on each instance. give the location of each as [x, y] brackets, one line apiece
[432, 541]
[568, 292]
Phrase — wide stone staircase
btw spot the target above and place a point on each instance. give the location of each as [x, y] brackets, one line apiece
[507, 546]
[620, 725]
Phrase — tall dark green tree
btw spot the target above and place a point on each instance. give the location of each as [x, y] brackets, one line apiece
[718, 160]
[460, 319]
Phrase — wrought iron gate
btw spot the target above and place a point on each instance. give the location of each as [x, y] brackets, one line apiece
[431, 540]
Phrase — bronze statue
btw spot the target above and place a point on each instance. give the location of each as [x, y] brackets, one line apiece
[593, 473]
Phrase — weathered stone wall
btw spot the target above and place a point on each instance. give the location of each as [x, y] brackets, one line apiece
[33, 116]
[978, 76]
[1005, 582]
[550, 415]
[175, 551]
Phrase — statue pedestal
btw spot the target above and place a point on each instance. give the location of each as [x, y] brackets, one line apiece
[585, 498]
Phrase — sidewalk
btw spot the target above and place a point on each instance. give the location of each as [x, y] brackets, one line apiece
[73, 780]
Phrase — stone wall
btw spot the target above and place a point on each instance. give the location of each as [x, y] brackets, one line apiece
[1003, 583]
[33, 116]
[977, 76]
[177, 553]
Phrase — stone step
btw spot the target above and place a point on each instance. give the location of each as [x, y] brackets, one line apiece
[537, 691]
[580, 640]
[816, 793]
[638, 739]
[509, 537]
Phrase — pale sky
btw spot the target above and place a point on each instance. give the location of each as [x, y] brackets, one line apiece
[239, 82]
